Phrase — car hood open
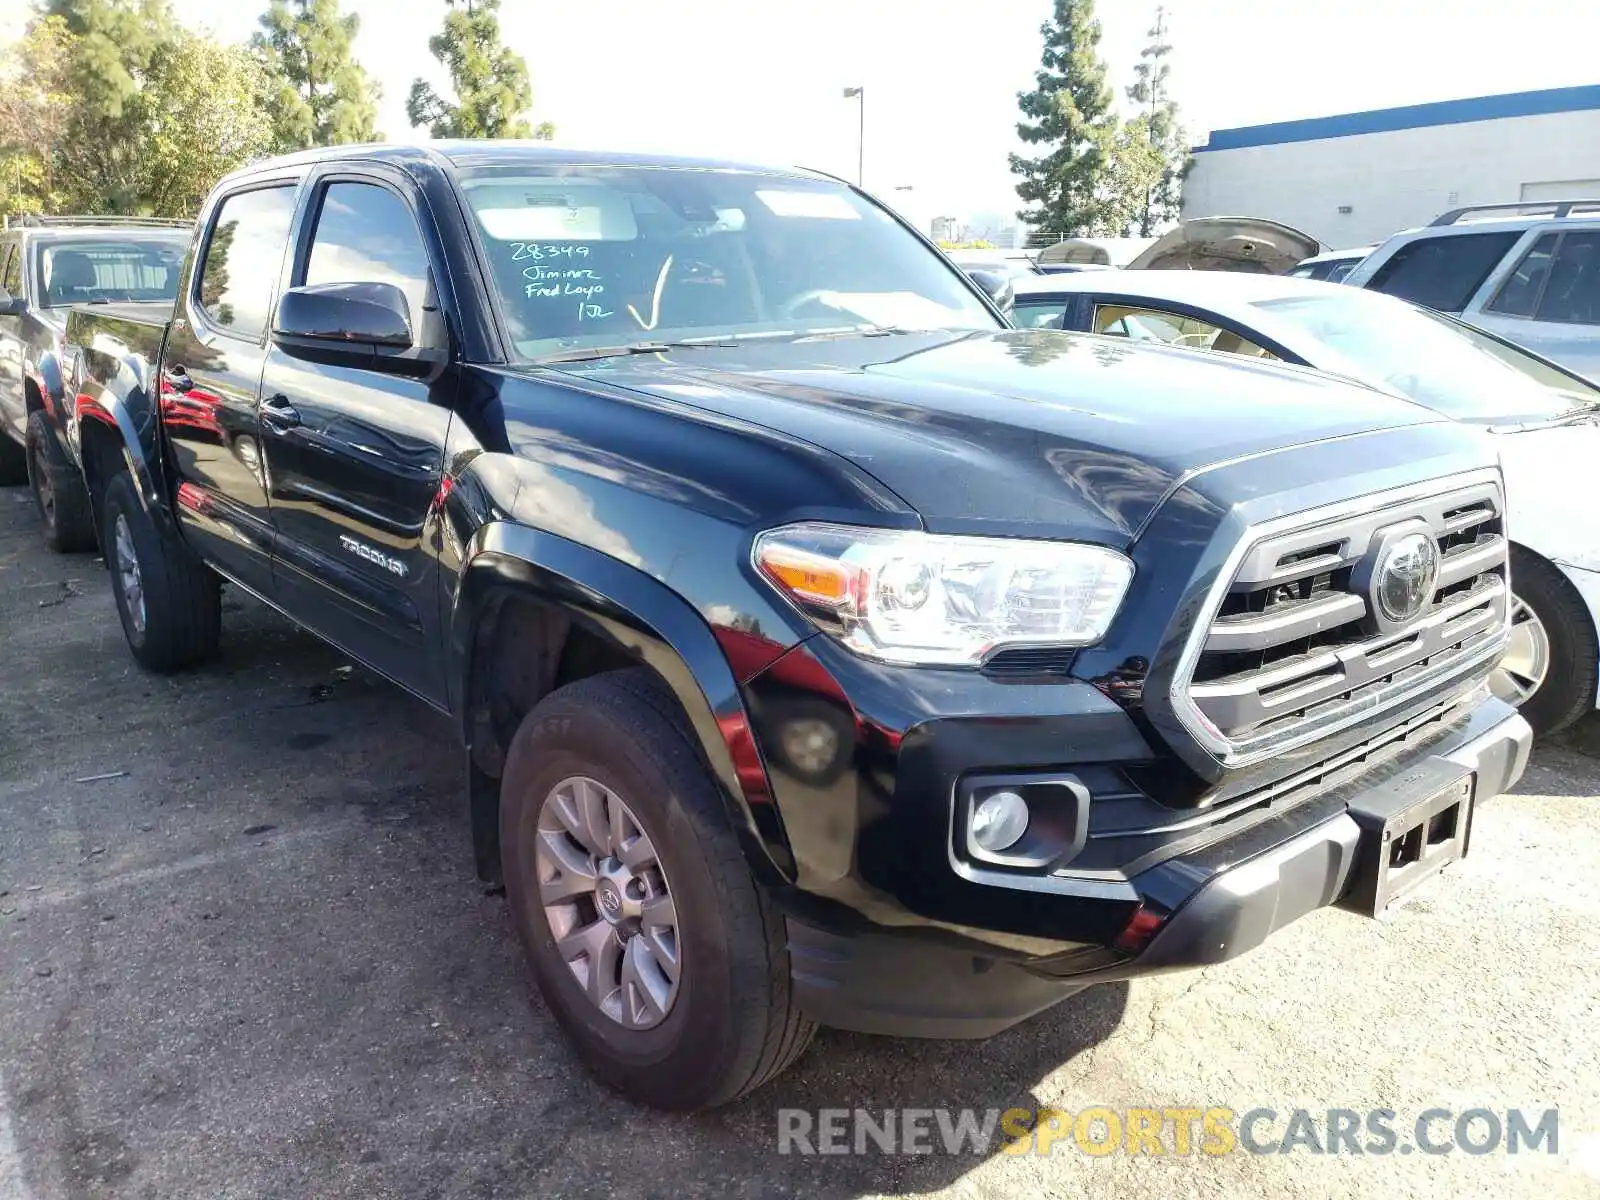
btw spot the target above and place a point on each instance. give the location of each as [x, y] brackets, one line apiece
[1227, 244]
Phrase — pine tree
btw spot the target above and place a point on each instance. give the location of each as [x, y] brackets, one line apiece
[1166, 160]
[114, 41]
[490, 80]
[1069, 115]
[318, 94]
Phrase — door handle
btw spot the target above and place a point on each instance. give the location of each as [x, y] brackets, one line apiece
[278, 414]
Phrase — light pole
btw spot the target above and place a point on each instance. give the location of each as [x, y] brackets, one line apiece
[860, 95]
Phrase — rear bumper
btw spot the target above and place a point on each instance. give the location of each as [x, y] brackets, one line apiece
[1204, 908]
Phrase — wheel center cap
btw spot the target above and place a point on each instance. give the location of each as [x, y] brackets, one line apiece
[616, 895]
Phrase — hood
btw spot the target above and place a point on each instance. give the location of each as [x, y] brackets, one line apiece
[1228, 244]
[1017, 431]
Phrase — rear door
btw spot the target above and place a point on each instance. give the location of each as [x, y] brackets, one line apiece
[212, 374]
[355, 455]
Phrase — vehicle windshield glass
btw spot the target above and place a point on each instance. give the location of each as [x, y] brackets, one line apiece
[601, 256]
[1434, 360]
[89, 272]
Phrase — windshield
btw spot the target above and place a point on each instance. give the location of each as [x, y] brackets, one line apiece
[1434, 360]
[89, 272]
[604, 256]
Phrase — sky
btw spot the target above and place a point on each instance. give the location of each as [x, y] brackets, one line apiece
[755, 80]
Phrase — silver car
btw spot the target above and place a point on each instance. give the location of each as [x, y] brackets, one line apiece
[1529, 272]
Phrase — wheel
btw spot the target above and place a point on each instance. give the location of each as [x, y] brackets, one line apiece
[1550, 666]
[169, 601]
[651, 941]
[13, 462]
[58, 490]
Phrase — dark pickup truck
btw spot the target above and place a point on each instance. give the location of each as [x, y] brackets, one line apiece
[824, 651]
[46, 265]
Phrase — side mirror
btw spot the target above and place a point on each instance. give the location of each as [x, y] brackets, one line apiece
[997, 287]
[11, 306]
[354, 324]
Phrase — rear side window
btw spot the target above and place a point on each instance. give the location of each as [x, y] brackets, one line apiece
[243, 258]
[1572, 293]
[366, 234]
[88, 272]
[12, 279]
[1519, 295]
[1442, 272]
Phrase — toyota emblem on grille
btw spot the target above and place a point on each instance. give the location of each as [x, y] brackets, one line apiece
[1404, 574]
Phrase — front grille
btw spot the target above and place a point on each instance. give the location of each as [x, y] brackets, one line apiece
[1295, 647]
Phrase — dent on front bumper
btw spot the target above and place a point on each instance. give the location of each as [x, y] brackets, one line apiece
[1195, 909]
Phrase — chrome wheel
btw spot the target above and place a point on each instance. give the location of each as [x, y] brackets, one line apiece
[1523, 666]
[606, 901]
[128, 577]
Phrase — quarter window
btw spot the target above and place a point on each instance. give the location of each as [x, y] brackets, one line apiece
[1444, 271]
[1038, 314]
[366, 234]
[243, 258]
[1572, 294]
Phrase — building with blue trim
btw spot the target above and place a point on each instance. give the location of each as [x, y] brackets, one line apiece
[1356, 178]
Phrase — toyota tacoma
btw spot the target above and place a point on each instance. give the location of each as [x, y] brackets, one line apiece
[824, 652]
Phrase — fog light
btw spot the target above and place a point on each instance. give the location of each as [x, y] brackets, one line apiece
[999, 821]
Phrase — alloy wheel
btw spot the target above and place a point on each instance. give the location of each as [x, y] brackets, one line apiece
[607, 903]
[128, 578]
[1526, 660]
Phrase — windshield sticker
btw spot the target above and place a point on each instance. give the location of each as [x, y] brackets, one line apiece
[829, 206]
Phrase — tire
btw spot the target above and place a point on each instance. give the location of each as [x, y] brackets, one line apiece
[730, 1022]
[13, 462]
[810, 738]
[170, 602]
[58, 491]
[1570, 657]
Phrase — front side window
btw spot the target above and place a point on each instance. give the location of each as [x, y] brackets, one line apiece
[1443, 271]
[366, 234]
[1572, 295]
[1039, 314]
[1175, 329]
[596, 256]
[104, 271]
[243, 258]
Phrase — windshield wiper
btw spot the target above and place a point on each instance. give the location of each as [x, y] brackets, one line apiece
[583, 353]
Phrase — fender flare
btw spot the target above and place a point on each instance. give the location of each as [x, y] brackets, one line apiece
[651, 623]
[123, 406]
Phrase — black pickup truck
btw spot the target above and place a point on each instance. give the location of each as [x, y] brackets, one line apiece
[824, 651]
[46, 265]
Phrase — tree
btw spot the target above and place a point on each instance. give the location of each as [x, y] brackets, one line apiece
[35, 106]
[320, 95]
[1069, 115]
[114, 42]
[193, 112]
[490, 80]
[1158, 169]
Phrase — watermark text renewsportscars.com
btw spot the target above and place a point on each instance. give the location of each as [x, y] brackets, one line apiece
[1169, 1130]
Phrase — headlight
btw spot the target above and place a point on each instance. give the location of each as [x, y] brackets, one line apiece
[910, 597]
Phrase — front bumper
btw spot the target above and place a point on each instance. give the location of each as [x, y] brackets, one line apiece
[1196, 909]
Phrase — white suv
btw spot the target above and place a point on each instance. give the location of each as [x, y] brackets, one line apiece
[1532, 276]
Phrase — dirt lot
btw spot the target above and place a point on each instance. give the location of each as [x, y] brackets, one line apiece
[255, 962]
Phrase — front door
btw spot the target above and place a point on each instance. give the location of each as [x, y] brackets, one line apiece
[13, 349]
[355, 455]
[211, 376]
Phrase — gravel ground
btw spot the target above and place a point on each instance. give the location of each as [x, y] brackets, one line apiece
[255, 962]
